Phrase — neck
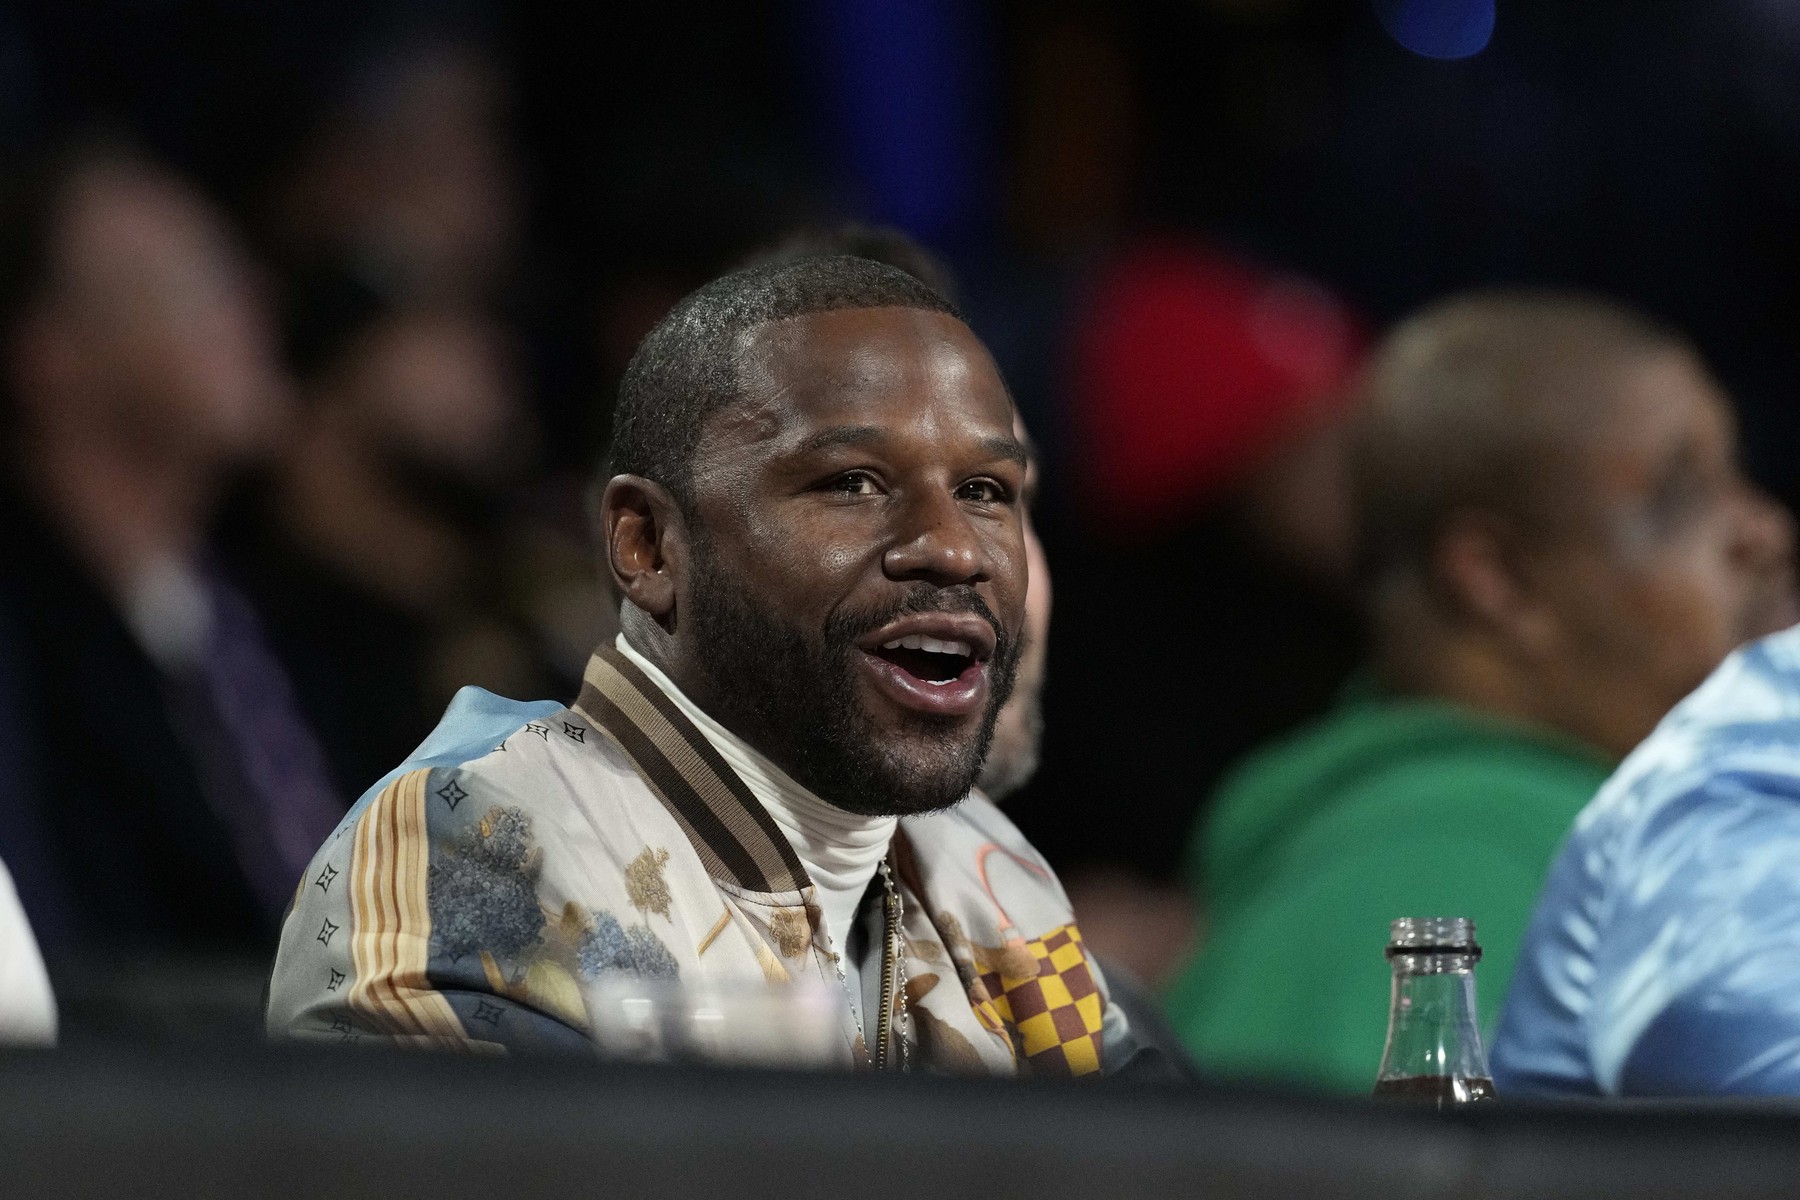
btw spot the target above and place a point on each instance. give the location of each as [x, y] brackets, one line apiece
[1419, 654]
[759, 771]
[644, 639]
[641, 636]
[1460, 672]
[124, 508]
[840, 850]
[333, 502]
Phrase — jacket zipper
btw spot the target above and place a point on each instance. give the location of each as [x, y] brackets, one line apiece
[885, 1020]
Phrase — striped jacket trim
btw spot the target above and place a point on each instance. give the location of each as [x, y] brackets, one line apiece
[391, 920]
[737, 840]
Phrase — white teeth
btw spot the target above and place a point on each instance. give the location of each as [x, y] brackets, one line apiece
[914, 641]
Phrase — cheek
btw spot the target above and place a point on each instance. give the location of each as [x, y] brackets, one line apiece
[811, 563]
[1688, 608]
[1013, 588]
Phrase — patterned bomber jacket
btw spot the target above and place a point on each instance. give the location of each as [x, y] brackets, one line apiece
[485, 894]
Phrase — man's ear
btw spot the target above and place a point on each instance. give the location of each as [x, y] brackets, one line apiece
[644, 541]
[1479, 565]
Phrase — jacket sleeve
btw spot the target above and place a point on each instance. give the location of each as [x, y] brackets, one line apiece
[1137, 1043]
[1697, 981]
[420, 925]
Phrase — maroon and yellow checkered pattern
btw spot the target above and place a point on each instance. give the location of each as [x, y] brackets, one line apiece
[1056, 1012]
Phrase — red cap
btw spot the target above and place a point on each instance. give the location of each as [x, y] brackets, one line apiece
[1190, 365]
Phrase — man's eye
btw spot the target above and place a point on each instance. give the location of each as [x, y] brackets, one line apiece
[1679, 498]
[853, 483]
[985, 491]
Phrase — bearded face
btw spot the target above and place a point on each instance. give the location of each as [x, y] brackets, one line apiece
[795, 694]
[841, 578]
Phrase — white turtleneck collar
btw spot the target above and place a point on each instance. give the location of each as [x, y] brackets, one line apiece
[840, 850]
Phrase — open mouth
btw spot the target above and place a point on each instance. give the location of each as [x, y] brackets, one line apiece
[932, 660]
[934, 663]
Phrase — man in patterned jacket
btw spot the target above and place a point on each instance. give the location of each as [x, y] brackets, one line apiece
[816, 525]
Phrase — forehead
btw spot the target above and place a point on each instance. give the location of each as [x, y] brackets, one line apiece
[886, 367]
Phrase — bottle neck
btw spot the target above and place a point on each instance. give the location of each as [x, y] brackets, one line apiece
[1433, 1031]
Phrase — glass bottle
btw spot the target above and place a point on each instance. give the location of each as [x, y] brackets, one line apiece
[1434, 1052]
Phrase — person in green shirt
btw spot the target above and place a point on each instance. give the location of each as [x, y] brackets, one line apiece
[1556, 544]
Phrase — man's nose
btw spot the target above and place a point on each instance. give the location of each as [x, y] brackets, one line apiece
[936, 543]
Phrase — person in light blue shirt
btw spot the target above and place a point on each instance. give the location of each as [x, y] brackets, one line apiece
[1664, 955]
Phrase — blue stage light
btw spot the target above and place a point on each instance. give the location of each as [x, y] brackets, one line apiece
[1438, 28]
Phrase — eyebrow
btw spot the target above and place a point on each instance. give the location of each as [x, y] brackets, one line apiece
[842, 435]
[997, 446]
[1007, 448]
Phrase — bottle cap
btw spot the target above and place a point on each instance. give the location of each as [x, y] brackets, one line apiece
[1432, 935]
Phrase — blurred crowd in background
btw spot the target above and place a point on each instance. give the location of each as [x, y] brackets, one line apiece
[312, 315]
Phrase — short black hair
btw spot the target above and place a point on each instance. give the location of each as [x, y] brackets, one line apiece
[687, 368]
[877, 243]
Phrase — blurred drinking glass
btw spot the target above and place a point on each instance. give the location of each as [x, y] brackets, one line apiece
[797, 1026]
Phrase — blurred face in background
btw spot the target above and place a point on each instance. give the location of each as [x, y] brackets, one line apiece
[1661, 557]
[436, 393]
[415, 172]
[152, 326]
[1013, 758]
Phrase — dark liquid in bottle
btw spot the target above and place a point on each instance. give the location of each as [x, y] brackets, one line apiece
[1442, 1091]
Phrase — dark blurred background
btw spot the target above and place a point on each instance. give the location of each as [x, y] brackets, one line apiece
[458, 219]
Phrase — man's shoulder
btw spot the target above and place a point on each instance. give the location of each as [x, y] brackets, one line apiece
[1738, 733]
[1392, 765]
[477, 724]
[1746, 715]
[972, 856]
[1405, 743]
[543, 747]
[974, 823]
[1692, 835]
[1716, 784]
[542, 758]
[1756, 684]
[464, 897]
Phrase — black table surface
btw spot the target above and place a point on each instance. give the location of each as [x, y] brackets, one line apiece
[198, 1120]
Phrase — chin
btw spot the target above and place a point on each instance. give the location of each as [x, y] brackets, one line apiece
[903, 784]
[921, 806]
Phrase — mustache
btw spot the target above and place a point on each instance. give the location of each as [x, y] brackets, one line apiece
[846, 628]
